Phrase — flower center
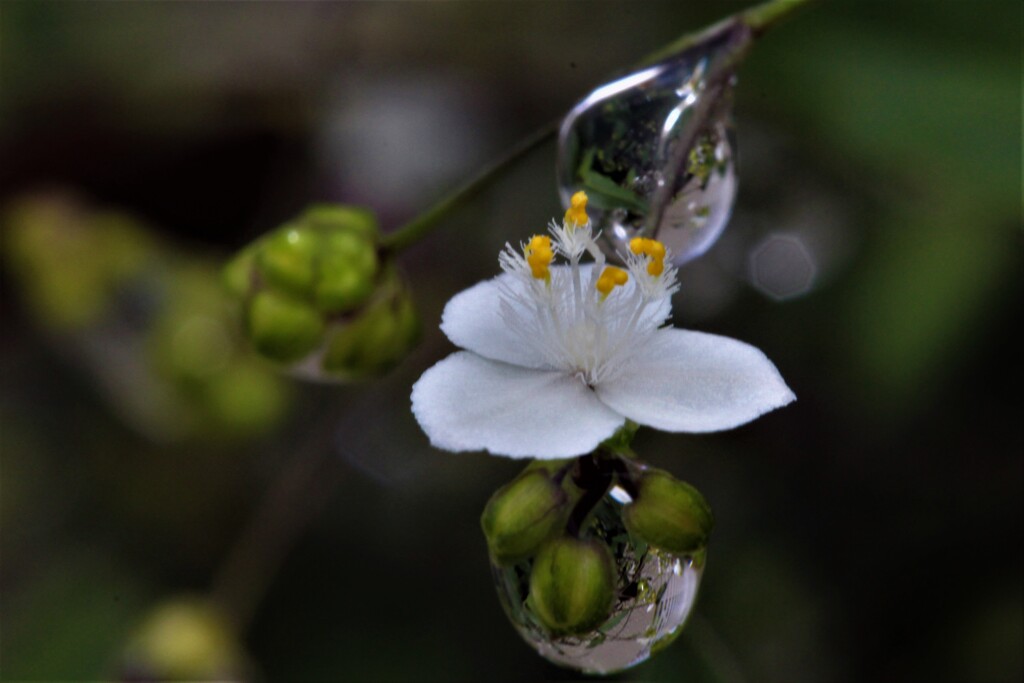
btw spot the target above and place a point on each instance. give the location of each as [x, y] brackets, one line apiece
[588, 320]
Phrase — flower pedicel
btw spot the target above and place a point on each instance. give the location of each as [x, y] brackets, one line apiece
[558, 357]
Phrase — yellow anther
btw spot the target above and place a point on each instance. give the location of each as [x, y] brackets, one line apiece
[611, 277]
[650, 248]
[657, 250]
[539, 255]
[576, 214]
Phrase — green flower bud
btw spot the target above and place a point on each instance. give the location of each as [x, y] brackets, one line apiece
[287, 259]
[185, 639]
[327, 255]
[327, 217]
[209, 381]
[237, 276]
[572, 584]
[669, 514]
[283, 328]
[377, 338]
[348, 269]
[246, 398]
[522, 515]
[318, 285]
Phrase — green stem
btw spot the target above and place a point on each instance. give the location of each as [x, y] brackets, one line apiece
[763, 17]
[620, 443]
[758, 19]
[421, 225]
[301, 488]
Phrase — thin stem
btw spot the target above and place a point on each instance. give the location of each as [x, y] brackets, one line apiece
[763, 17]
[627, 474]
[593, 478]
[296, 495]
[758, 19]
[422, 224]
[618, 445]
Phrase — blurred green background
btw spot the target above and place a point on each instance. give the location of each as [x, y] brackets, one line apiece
[870, 531]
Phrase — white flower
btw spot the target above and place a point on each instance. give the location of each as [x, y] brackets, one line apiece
[558, 356]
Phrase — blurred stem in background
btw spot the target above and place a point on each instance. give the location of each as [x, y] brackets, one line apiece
[298, 493]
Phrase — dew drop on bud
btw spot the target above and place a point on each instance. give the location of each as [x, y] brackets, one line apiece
[653, 593]
[655, 150]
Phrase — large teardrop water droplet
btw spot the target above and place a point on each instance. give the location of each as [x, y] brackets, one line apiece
[654, 593]
[655, 150]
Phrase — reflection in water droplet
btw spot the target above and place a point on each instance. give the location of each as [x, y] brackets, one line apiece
[620, 494]
[655, 593]
[656, 153]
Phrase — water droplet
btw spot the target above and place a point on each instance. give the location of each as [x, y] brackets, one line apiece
[655, 151]
[654, 593]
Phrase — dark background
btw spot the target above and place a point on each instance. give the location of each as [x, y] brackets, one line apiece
[870, 531]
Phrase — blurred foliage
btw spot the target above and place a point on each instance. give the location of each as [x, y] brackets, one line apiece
[187, 638]
[153, 325]
[871, 531]
[46, 234]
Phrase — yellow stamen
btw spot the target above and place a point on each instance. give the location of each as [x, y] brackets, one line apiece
[611, 277]
[653, 249]
[539, 242]
[657, 251]
[539, 255]
[576, 215]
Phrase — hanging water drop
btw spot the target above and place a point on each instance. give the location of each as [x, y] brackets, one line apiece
[655, 150]
[611, 582]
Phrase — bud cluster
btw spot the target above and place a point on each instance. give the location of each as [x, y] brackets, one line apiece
[543, 525]
[150, 323]
[317, 293]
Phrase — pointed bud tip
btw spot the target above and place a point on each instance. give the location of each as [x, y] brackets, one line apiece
[282, 328]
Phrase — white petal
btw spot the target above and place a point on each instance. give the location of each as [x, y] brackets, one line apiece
[694, 382]
[472, 319]
[469, 403]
